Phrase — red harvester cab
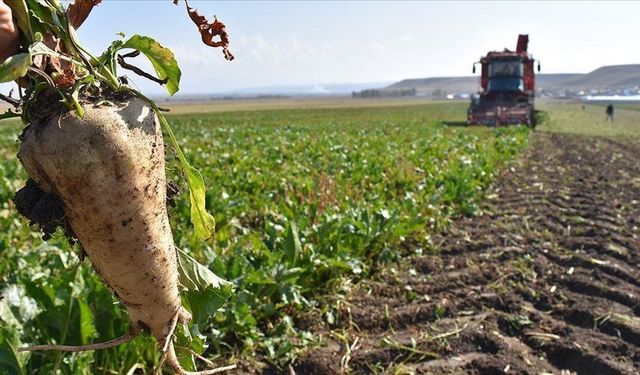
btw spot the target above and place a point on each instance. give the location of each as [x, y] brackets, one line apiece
[508, 88]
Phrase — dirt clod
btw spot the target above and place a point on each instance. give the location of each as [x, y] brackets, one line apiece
[42, 208]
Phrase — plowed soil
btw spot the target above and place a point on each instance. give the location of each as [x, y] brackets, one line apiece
[545, 280]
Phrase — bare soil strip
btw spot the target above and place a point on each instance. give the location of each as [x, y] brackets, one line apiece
[545, 280]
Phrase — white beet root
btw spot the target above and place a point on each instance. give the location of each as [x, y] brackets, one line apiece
[108, 170]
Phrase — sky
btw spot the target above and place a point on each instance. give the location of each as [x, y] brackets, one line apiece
[279, 43]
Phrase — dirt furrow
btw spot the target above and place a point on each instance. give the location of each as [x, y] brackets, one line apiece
[550, 264]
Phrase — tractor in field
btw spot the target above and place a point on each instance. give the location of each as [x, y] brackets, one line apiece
[507, 88]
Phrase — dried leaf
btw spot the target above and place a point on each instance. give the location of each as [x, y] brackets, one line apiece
[61, 71]
[47, 58]
[209, 31]
[79, 11]
[63, 75]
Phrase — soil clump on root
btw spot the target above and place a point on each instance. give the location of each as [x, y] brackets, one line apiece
[44, 209]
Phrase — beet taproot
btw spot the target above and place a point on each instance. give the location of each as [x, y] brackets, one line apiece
[108, 170]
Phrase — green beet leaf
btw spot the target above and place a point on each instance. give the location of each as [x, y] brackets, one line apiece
[204, 292]
[15, 67]
[45, 13]
[292, 246]
[87, 326]
[203, 222]
[162, 59]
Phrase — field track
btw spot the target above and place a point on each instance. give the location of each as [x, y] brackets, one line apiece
[545, 280]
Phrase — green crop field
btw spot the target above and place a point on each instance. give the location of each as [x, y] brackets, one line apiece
[307, 201]
[590, 120]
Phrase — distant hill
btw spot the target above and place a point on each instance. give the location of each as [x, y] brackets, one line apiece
[444, 84]
[547, 81]
[615, 77]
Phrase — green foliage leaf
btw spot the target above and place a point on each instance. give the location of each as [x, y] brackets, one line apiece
[161, 58]
[15, 67]
[45, 13]
[204, 292]
[87, 328]
[39, 48]
[189, 338]
[10, 360]
[194, 276]
[186, 360]
[203, 222]
[197, 341]
[204, 304]
[183, 341]
[292, 246]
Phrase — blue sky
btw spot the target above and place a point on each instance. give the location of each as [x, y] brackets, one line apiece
[306, 42]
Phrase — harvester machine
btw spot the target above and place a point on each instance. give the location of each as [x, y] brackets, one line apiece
[507, 88]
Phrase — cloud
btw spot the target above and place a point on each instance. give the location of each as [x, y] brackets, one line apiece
[376, 48]
[197, 55]
[264, 60]
[286, 51]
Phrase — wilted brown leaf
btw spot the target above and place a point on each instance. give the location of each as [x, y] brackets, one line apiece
[79, 11]
[64, 77]
[209, 31]
[61, 71]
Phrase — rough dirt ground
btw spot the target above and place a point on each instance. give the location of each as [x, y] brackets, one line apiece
[545, 281]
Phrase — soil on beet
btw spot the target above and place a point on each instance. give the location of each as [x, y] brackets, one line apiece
[42, 208]
[545, 280]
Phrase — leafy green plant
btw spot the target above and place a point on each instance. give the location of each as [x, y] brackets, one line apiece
[393, 182]
[382, 175]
